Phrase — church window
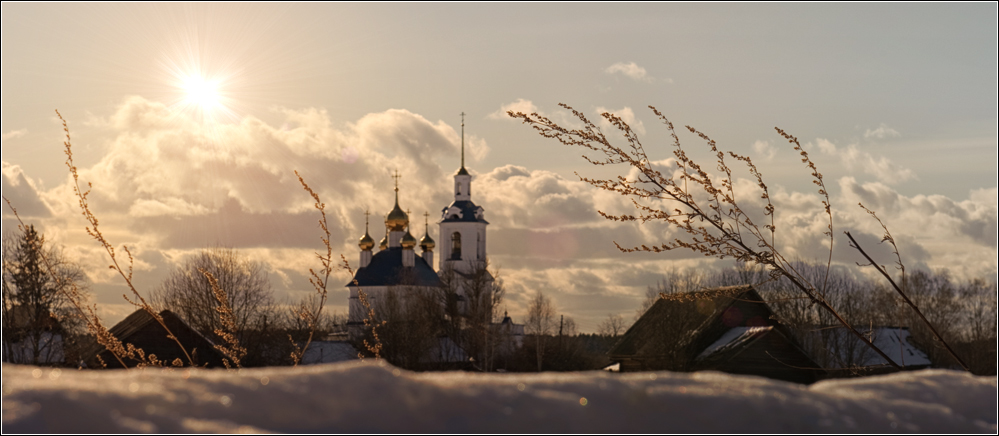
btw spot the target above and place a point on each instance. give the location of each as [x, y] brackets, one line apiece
[456, 246]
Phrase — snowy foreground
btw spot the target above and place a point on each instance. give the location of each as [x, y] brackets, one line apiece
[368, 397]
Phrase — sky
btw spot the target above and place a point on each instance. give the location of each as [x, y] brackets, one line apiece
[189, 121]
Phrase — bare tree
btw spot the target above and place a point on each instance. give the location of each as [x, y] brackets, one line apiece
[483, 293]
[37, 317]
[188, 292]
[540, 322]
[673, 282]
[612, 326]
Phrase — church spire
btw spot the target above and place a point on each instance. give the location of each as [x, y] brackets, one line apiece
[462, 171]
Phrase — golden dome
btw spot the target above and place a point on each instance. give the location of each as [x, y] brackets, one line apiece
[408, 241]
[396, 220]
[384, 243]
[427, 243]
[366, 243]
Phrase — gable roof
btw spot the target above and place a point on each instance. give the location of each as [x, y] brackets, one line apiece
[700, 308]
[385, 269]
[328, 352]
[734, 339]
[847, 350]
[135, 329]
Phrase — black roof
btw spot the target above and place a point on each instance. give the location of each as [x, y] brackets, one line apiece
[467, 209]
[645, 328]
[386, 269]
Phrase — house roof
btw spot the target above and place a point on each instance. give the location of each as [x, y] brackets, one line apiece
[385, 269]
[141, 319]
[733, 339]
[329, 352]
[703, 307]
[893, 341]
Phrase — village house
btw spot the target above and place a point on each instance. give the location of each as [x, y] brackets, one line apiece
[732, 329]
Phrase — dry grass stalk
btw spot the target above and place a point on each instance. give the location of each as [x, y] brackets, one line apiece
[232, 350]
[704, 209]
[319, 280]
[94, 231]
[898, 264]
[375, 346]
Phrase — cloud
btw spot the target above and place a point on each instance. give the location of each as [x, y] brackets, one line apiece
[882, 132]
[632, 71]
[21, 192]
[520, 105]
[881, 167]
[765, 149]
[14, 134]
[626, 114]
[168, 185]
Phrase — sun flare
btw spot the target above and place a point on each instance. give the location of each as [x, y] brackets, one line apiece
[202, 93]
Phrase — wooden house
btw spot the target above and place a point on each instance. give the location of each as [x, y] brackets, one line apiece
[143, 331]
[729, 329]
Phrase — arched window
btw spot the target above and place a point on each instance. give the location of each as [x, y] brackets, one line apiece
[478, 243]
[456, 246]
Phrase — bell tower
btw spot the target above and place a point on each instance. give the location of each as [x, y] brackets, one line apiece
[462, 224]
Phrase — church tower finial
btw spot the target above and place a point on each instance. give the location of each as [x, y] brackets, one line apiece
[462, 140]
[396, 220]
[462, 171]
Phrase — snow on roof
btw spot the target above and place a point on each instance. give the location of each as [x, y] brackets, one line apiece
[734, 338]
[328, 352]
[373, 397]
[893, 341]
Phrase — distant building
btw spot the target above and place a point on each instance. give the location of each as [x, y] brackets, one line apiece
[142, 331]
[32, 338]
[726, 329]
[397, 268]
[328, 352]
[731, 329]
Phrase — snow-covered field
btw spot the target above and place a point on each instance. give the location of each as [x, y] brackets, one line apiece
[368, 397]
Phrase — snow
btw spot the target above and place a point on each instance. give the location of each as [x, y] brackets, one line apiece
[732, 338]
[895, 343]
[328, 352]
[368, 396]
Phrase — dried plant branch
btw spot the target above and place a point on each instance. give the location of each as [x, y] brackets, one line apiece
[375, 346]
[881, 269]
[232, 350]
[94, 231]
[318, 280]
[706, 210]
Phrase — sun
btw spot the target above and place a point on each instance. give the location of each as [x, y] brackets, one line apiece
[202, 94]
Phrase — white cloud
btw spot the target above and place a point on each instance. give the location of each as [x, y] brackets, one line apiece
[13, 134]
[765, 149]
[882, 132]
[626, 114]
[880, 167]
[167, 184]
[520, 105]
[22, 193]
[632, 71]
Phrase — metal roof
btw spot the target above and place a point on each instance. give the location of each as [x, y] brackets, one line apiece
[464, 211]
[386, 269]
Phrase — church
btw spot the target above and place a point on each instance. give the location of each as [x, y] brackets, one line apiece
[396, 264]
